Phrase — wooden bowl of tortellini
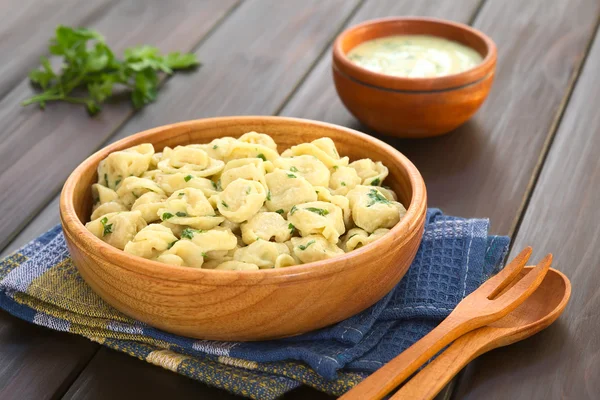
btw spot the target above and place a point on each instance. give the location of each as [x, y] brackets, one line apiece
[244, 228]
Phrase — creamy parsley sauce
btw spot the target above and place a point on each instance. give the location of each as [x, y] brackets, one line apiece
[414, 56]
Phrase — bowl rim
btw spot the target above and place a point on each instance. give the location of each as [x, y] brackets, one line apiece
[397, 83]
[81, 237]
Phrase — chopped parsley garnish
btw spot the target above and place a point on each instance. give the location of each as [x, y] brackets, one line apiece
[187, 178]
[215, 147]
[107, 227]
[319, 211]
[171, 244]
[166, 216]
[214, 185]
[375, 182]
[293, 210]
[335, 167]
[376, 197]
[106, 179]
[224, 204]
[304, 247]
[117, 182]
[291, 176]
[293, 169]
[219, 185]
[181, 194]
[262, 157]
[203, 254]
[280, 211]
[248, 190]
[269, 195]
[188, 233]
[292, 228]
[343, 183]
[181, 214]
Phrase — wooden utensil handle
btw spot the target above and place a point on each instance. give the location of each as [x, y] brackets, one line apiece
[432, 379]
[388, 377]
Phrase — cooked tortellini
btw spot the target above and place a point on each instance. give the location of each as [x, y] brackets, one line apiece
[238, 205]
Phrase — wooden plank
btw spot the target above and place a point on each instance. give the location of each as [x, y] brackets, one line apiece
[25, 31]
[563, 362]
[40, 363]
[484, 168]
[62, 136]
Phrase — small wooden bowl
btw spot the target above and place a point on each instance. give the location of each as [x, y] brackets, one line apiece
[246, 305]
[412, 107]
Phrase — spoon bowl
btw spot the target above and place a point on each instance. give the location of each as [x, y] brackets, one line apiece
[535, 314]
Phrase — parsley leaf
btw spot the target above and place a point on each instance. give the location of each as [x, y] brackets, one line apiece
[90, 72]
[107, 227]
[292, 228]
[181, 214]
[280, 211]
[188, 178]
[376, 197]
[319, 211]
[224, 204]
[375, 182]
[166, 216]
[262, 157]
[293, 169]
[171, 244]
[293, 210]
[291, 176]
[304, 247]
[268, 195]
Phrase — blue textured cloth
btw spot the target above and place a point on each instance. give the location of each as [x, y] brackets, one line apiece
[39, 283]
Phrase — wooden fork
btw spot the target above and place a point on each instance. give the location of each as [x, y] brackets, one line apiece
[485, 305]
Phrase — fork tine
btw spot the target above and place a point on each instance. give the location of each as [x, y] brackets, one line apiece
[503, 278]
[529, 283]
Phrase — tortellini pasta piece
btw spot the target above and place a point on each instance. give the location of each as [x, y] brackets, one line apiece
[148, 204]
[189, 160]
[318, 217]
[252, 169]
[308, 167]
[240, 149]
[358, 237]
[314, 248]
[183, 253]
[241, 200]
[118, 228]
[370, 172]
[133, 188]
[124, 163]
[189, 207]
[259, 138]
[287, 189]
[323, 149]
[151, 241]
[171, 183]
[266, 226]
[237, 204]
[343, 179]
[372, 210]
[265, 254]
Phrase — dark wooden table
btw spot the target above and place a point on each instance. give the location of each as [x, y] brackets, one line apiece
[529, 160]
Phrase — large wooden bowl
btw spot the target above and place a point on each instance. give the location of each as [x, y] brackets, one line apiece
[246, 305]
[412, 107]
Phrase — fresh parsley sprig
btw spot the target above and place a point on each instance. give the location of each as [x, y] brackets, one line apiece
[90, 72]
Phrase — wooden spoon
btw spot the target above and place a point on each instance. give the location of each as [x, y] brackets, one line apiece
[535, 314]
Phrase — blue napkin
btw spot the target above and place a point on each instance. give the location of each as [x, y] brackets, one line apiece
[40, 284]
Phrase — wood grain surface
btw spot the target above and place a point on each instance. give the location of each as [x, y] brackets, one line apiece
[27, 26]
[563, 216]
[63, 135]
[485, 168]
